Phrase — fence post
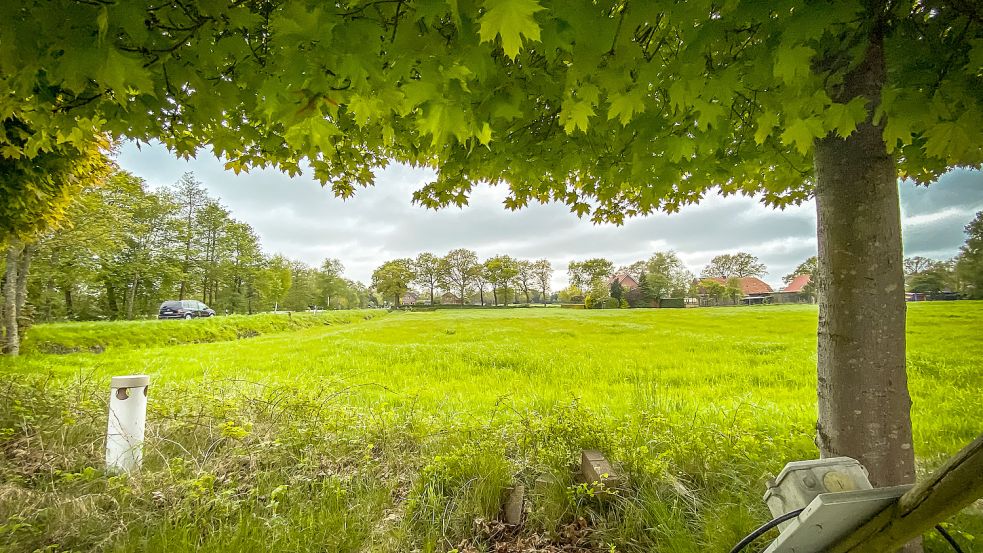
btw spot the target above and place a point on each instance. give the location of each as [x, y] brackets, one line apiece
[127, 418]
[955, 485]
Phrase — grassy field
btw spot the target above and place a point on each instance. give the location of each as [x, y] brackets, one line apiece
[400, 432]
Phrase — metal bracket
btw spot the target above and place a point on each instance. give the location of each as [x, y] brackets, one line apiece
[832, 516]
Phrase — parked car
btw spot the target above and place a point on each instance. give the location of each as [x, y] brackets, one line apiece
[184, 309]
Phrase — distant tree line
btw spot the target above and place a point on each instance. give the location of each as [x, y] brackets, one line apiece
[962, 274]
[123, 248]
[459, 277]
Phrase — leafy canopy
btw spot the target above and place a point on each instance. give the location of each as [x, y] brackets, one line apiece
[614, 107]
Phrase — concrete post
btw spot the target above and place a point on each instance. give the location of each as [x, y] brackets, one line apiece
[127, 418]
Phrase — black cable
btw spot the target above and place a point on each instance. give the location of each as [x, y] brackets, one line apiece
[792, 514]
[764, 528]
[948, 538]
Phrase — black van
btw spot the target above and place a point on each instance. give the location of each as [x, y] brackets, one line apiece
[184, 309]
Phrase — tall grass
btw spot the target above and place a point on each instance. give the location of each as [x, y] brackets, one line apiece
[402, 432]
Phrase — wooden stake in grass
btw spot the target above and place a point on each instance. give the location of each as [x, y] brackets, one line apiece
[127, 418]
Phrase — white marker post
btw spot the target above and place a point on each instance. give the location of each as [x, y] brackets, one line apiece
[127, 417]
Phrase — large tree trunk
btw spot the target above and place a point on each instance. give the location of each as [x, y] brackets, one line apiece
[12, 336]
[864, 406]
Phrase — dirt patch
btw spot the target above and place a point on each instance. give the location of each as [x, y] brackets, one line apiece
[575, 537]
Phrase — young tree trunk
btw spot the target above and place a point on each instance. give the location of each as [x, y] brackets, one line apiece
[69, 307]
[462, 294]
[12, 341]
[22, 273]
[864, 406]
[131, 296]
[495, 295]
[24, 319]
[111, 302]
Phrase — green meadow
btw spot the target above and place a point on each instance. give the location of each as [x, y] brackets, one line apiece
[365, 431]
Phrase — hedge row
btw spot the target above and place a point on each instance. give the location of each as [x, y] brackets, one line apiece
[101, 335]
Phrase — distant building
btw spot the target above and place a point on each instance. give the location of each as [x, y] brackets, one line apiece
[753, 291]
[409, 298]
[626, 281]
[799, 290]
[448, 298]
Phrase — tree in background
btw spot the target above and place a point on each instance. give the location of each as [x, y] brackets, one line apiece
[969, 264]
[916, 264]
[501, 271]
[616, 290]
[274, 280]
[635, 270]
[808, 267]
[461, 272]
[642, 296]
[739, 265]
[587, 274]
[393, 278]
[429, 270]
[332, 288]
[190, 198]
[667, 275]
[733, 289]
[571, 294]
[526, 278]
[236, 280]
[714, 289]
[481, 282]
[36, 191]
[542, 272]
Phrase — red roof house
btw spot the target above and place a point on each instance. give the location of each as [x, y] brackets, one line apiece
[798, 283]
[626, 281]
[750, 286]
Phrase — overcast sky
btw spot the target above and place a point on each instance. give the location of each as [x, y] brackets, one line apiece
[297, 218]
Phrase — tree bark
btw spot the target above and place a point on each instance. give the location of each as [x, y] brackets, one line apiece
[24, 319]
[111, 299]
[69, 306]
[12, 337]
[864, 406]
[131, 296]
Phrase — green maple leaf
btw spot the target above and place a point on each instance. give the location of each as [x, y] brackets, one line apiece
[624, 106]
[792, 64]
[575, 115]
[441, 119]
[801, 132]
[897, 128]
[484, 134]
[843, 118]
[766, 122]
[946, 139]
[510, 19]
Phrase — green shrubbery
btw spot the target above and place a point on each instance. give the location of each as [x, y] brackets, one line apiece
[99, 336]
